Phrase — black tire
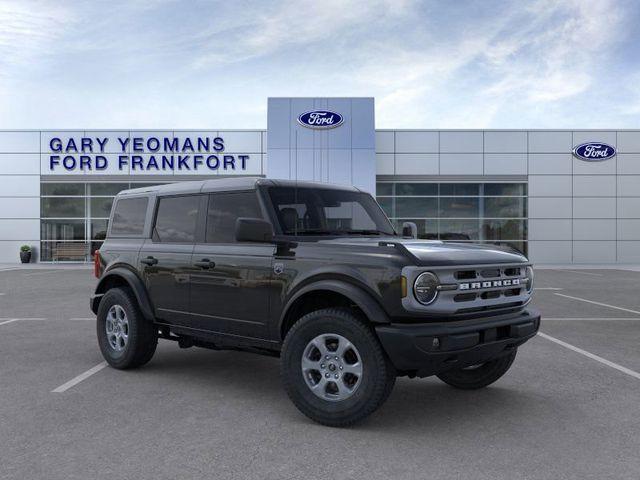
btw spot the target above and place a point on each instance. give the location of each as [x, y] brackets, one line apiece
[142, 334]
[473, 378]
[378, 374]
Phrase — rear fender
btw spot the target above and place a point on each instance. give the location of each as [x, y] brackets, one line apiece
[117, 276]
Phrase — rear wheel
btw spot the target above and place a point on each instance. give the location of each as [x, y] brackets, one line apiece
[125, 337]
[334, 369]
[479, 376]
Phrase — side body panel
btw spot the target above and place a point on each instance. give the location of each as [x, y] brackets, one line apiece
[232, 295]
[167, 282]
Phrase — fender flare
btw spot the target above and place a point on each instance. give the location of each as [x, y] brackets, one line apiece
[364, 300]
[136, 285]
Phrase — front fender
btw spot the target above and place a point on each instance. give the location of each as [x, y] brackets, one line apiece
[365, 301]
[117, 275]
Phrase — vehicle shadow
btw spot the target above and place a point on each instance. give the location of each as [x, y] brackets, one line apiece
[415, 404]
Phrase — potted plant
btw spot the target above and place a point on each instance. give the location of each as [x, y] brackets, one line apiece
[25, 253]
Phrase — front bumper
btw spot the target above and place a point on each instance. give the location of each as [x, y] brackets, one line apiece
[429, 348]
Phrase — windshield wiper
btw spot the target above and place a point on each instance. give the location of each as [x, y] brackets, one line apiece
[314, 232]
[365, 232]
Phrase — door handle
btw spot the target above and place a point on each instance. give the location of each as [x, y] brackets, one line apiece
[205, 263]
[149, 261]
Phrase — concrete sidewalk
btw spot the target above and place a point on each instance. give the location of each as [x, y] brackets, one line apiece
[45, 266]
[604, 266]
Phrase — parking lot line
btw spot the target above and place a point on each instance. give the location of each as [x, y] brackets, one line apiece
[577, 271]
[591, 356]
[597, 303]
[548, 288]
[76, 380]
[11, 320]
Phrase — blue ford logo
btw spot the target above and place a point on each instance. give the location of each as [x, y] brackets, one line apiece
[321, 119]
[594, 151]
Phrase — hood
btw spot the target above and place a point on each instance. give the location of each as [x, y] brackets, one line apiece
[437, 253]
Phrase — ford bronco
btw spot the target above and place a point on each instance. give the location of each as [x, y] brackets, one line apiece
[314, 274]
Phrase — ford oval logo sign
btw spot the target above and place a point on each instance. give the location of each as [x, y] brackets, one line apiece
[321, 119]
[594, 151]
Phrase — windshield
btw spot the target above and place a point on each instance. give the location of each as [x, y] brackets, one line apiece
[317, 211]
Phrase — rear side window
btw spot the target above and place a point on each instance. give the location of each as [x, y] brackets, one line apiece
[176, 219]
[129, 215]
[224, 210]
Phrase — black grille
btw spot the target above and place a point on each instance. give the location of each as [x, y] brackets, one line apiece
[465, 275]
[491, 294]
[490, 273]
[464, 297]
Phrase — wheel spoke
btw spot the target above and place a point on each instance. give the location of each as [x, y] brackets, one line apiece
[343, 346]
[354, 369]
[320, 386]
[342, 391]
[308, 364]
[320, 344]
[343, 386]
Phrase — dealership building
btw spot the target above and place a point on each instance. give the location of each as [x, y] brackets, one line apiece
[560, 196]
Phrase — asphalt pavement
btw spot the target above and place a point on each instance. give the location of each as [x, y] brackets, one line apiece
[568, 408]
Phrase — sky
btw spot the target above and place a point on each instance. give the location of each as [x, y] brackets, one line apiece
[429, 64]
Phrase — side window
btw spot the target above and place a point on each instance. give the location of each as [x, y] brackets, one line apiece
[224, 210]
[176, 219]
[129, 215]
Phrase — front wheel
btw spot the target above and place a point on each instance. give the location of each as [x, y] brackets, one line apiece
[479, 376]
[334, 369]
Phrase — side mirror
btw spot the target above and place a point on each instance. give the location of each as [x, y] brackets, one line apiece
[253, 230]
[409, 229]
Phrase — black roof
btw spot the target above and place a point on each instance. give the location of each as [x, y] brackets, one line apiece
[228, 184]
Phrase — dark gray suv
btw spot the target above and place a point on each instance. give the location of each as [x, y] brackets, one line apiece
[314, 274]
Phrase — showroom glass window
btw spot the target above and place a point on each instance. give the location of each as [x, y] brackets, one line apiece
[74, 218]
[467, 212]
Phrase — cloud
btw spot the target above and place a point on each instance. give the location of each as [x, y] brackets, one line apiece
[291, 24]
[428, 64]
[28, 30]
[555, 54]
[547, 52]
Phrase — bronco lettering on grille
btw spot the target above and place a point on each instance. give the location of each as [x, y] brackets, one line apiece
[491, 284]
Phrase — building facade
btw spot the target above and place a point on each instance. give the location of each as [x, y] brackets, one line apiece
[537, 190]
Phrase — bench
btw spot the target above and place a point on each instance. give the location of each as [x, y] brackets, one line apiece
[69, 251]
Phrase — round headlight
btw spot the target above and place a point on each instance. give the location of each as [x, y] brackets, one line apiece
[529, 274]
[425, 288]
